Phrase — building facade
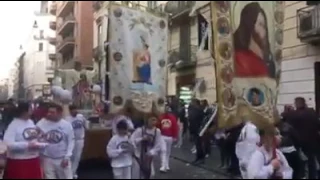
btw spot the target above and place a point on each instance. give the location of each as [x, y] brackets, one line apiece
[74, 31]
[300, 75]
[192, 72]
[37, 67]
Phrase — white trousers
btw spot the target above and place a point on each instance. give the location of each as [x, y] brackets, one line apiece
[136, 173]
[53, 170]
[165, 155]
[122, 172]
[76, 155]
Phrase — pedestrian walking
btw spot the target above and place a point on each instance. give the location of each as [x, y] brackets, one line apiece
[59, 135]
[147, 142]
[120, 151]
[21, 138]
[247, 143]
[268, 162]
[79, 124]
[168, 126]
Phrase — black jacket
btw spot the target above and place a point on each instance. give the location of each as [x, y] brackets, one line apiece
[306, 124]
[195, 116]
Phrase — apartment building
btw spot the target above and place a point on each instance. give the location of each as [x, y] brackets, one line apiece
[301, 54]
[37, 67]
[74, 31]
[191, 66]
[16, 79]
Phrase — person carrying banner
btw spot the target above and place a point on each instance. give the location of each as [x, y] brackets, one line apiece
[147, 142]
[267, 162]
[248, 142]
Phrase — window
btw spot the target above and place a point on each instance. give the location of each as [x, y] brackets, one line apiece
[41, 34]
[40, 48]
[152, 4]
[35, 24]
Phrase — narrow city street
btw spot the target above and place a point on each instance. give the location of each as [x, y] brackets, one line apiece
[181, 167]
[179, 170]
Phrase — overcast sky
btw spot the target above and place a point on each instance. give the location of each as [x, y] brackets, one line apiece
[16, 19]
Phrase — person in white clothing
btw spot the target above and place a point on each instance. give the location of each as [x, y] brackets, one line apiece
[120, 150]
[59, 135]
[248, 142]
[267, 162]
[119, 117]
[79, 124]
[23, 146]
[147, 143]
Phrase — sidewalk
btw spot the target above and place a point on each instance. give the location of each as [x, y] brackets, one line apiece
[211, 163]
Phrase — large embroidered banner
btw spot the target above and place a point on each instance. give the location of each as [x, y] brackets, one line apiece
[137, 58]
[247, 37]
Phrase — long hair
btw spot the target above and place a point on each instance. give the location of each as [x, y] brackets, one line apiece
[243, 34]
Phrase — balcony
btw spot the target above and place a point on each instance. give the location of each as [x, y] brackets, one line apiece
[53, 8]
[52, 56]
[179, 8]
[66, 45]
[308, 24]
[181, 59]
[53, 25]
[67, 25]
[52, 40]
[65, 8]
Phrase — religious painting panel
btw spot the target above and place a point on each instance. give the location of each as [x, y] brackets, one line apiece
[137, 58]
[247, 38]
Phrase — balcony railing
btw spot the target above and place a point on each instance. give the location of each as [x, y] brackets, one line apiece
[178, 8]
[67, 25]
[53, 8]
[52, 56]
[66, 45]
[183, 57]
[53, 25]
[52, 40]
[308, 23]
[65, 8]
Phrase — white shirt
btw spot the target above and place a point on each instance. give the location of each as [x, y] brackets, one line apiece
[119, 118]
[247, 144]
[18, 136]
[79, 125]
[138, 135]
[259, 166]
[59, 136]
[119, 158]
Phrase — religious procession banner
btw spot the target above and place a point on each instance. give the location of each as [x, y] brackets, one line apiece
[247, 39]
[137, 58]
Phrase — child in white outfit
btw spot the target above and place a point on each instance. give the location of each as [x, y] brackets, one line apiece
[120, 150]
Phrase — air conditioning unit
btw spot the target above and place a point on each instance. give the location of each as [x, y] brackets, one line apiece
[309, 23]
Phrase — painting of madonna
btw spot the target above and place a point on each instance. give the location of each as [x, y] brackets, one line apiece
[253, 57]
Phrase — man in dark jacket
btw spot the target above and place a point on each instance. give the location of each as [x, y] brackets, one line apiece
[196, 116]
[305, 121]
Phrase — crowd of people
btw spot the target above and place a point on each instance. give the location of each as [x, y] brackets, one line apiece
[43, 144]
[40, 142]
